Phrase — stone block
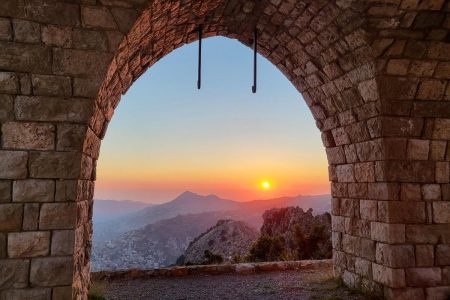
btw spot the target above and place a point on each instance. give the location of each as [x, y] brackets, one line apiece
[383, 191]
[424, 255]
[364, 172]
[418, 149]
[55, 165]
[33, 190]
[335, 155]
[431, 192]
[441, 212]
[53, 109]
[423, 277]
[9, 83]
[5, 29]
[29, 293]
[13, 164]
[410, 192]
[357, 190]
[395, 256]
[90, 40]
[394, 212]
[70, 137]
[367, 249]
[80, 63]
[394, 278]
[29, 136]
[51, 271]
[30, 216]
[10, 217]
[427, 234]
[347, 207]
[5, 191]
[398, 66]
[62, 293]
[363, 267]
[63, 242]
[60, 36]
[387, 233]
[431, 90]
[57, 216]
[441, 292]
[49, 85]
[13, 273]
[437, 151]
[66, 190]
[370, 150]
[6, 108]
[405, 171]
[97, 17]
[441, 129]
[442, 172]
[368, 209]
[28, 244]
[83, 87]
[405, 294]
[422, 68]
[20, 57]
[443, 255]
[26, 31]
[345, 173]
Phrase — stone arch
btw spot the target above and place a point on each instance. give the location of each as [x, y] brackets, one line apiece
[374, 74]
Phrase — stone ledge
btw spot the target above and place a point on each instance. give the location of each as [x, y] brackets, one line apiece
[243, 268]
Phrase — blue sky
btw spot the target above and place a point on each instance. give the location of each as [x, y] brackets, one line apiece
[166, 136]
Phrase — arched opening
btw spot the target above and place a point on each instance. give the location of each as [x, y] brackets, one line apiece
[205, 153]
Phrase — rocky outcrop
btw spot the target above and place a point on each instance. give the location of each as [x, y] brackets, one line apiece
[228, 238]
[294, 224]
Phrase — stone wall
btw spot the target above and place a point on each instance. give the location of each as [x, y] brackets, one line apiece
[374, 74]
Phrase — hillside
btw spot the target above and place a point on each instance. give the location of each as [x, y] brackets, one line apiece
[227, 238]
[191, 203]
[110, 209]
[156, 245]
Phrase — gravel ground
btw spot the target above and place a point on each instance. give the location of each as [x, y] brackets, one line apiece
[305, 284]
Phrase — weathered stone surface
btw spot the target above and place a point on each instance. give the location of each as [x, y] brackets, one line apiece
[10, 217]
[28, 244]
[5, 29]
[443, 255]
[66, 190]
[53, 109]
[54, 165]
[418, 149]
[5, 191]
[33, 293]
[441, 129]
[388, 233]
[80, 63]
[423, 276]
[60, 36]
[427, 234]
[405, 294]
[29, 136]
[424, 255]
[394, 278]
[97, 17]
[440, 292]
[25, 58]
[13, 164]
[395, 256]
[441, 212]
[6, 108]
[26, 31]
[83, 87]
[368, 209]
[30, 216]
[57, 216]
[33, 190]
[48, 85]
[13, 273]
[51, 271]
[62, 293]
[9, 83]
[71, 137]
[394, 212]
[63, 242]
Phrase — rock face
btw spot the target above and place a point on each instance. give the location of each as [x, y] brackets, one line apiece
[283, 222]
[227, 238]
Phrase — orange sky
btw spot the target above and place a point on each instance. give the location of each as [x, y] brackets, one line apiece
[167, 137]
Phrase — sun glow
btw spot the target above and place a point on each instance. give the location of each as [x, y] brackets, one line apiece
[265, 185]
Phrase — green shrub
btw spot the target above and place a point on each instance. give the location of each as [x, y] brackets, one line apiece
[267, 248]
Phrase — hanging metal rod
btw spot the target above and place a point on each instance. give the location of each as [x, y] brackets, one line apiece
[199, 78]
[255, 50]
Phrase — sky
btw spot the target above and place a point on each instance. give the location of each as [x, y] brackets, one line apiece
[167, 137]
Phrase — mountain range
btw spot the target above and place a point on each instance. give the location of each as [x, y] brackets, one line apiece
[148, 236]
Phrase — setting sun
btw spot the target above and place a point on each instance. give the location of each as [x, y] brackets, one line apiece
[265, 185]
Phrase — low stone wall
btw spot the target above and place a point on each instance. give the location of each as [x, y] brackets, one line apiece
[243, 268]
